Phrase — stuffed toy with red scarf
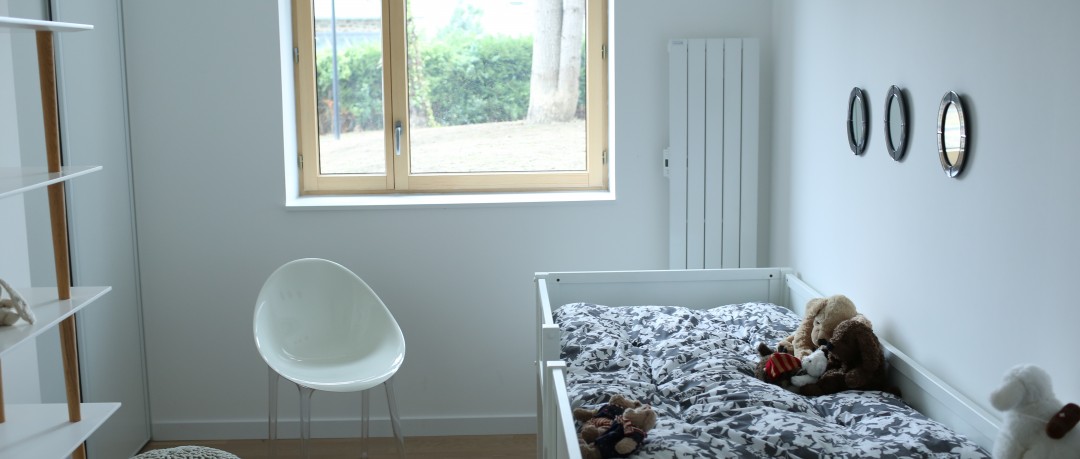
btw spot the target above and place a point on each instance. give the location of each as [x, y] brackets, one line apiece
[776, 367]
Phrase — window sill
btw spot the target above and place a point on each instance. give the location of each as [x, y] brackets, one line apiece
[391, 201]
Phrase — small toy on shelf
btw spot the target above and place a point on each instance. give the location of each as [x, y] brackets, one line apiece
[11, 309]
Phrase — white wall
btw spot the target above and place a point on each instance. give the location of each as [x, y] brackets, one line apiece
[20, 369]
[207, 142]
[968, 276]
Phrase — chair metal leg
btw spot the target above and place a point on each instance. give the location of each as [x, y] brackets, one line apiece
[272, 416]
[395, 422]
[365, 422]
[305, 420]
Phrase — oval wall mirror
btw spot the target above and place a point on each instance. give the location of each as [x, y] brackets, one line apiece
[952, 134]
[895, 123]
[858, 119]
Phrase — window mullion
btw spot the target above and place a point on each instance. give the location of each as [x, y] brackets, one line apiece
[304, 76]
[596, 105]
[388, 117]
[398, 92]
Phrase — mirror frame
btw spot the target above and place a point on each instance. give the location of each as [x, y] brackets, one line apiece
[952, 169]
[858, 145]
[896, 151]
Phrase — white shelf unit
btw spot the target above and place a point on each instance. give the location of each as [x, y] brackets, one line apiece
[18, 180]
[49, 311]
[49, 430]
[44, 26]
[44, 430]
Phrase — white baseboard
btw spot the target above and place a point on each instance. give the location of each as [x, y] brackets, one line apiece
[341, 428]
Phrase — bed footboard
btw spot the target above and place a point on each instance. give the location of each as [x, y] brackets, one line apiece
[556, 435]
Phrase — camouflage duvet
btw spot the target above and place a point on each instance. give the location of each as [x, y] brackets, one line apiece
[695, 367]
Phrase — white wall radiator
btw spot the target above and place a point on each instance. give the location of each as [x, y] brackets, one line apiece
[712, 156]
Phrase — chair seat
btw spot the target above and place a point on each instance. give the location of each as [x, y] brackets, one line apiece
[342, 373]
[319, 325]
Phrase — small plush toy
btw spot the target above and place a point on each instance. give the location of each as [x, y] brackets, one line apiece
[856, 361]
[813, 365]
[822, 317]
[11, 309]
[595, 422]
[775, 367]
[1036, 425]
[624, 437]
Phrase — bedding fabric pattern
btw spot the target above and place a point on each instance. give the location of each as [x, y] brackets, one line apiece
[695, 367]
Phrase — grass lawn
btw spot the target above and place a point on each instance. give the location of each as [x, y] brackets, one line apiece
[491, 147]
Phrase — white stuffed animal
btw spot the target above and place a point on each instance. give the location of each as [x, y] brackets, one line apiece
[1036, 425]
[11, 309]
[813, 365]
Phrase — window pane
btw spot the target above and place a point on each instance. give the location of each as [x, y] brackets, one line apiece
[348, 51]
[475, 104]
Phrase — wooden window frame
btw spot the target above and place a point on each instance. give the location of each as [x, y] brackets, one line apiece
[397, 178]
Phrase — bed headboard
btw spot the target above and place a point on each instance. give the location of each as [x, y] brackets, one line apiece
[694, 288]
[920, 388]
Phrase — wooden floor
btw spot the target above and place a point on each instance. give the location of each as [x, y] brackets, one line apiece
[462, 447]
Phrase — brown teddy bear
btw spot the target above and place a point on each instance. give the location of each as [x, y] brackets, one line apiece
[856, 361]
[625, 435]
[595, 422]
[822, 317]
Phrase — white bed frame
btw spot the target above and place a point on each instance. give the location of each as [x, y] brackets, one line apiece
[700, 289]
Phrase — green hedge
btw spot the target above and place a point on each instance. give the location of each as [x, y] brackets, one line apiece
[478, 80]
[360, 97]
[465, 80]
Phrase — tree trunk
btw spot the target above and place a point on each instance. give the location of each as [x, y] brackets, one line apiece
[556, 64]
[573, 31]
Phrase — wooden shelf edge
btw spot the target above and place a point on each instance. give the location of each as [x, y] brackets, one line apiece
[7, 22]
[48, 311]
[43, 430]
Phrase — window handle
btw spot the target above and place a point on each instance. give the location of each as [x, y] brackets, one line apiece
[397, 138]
